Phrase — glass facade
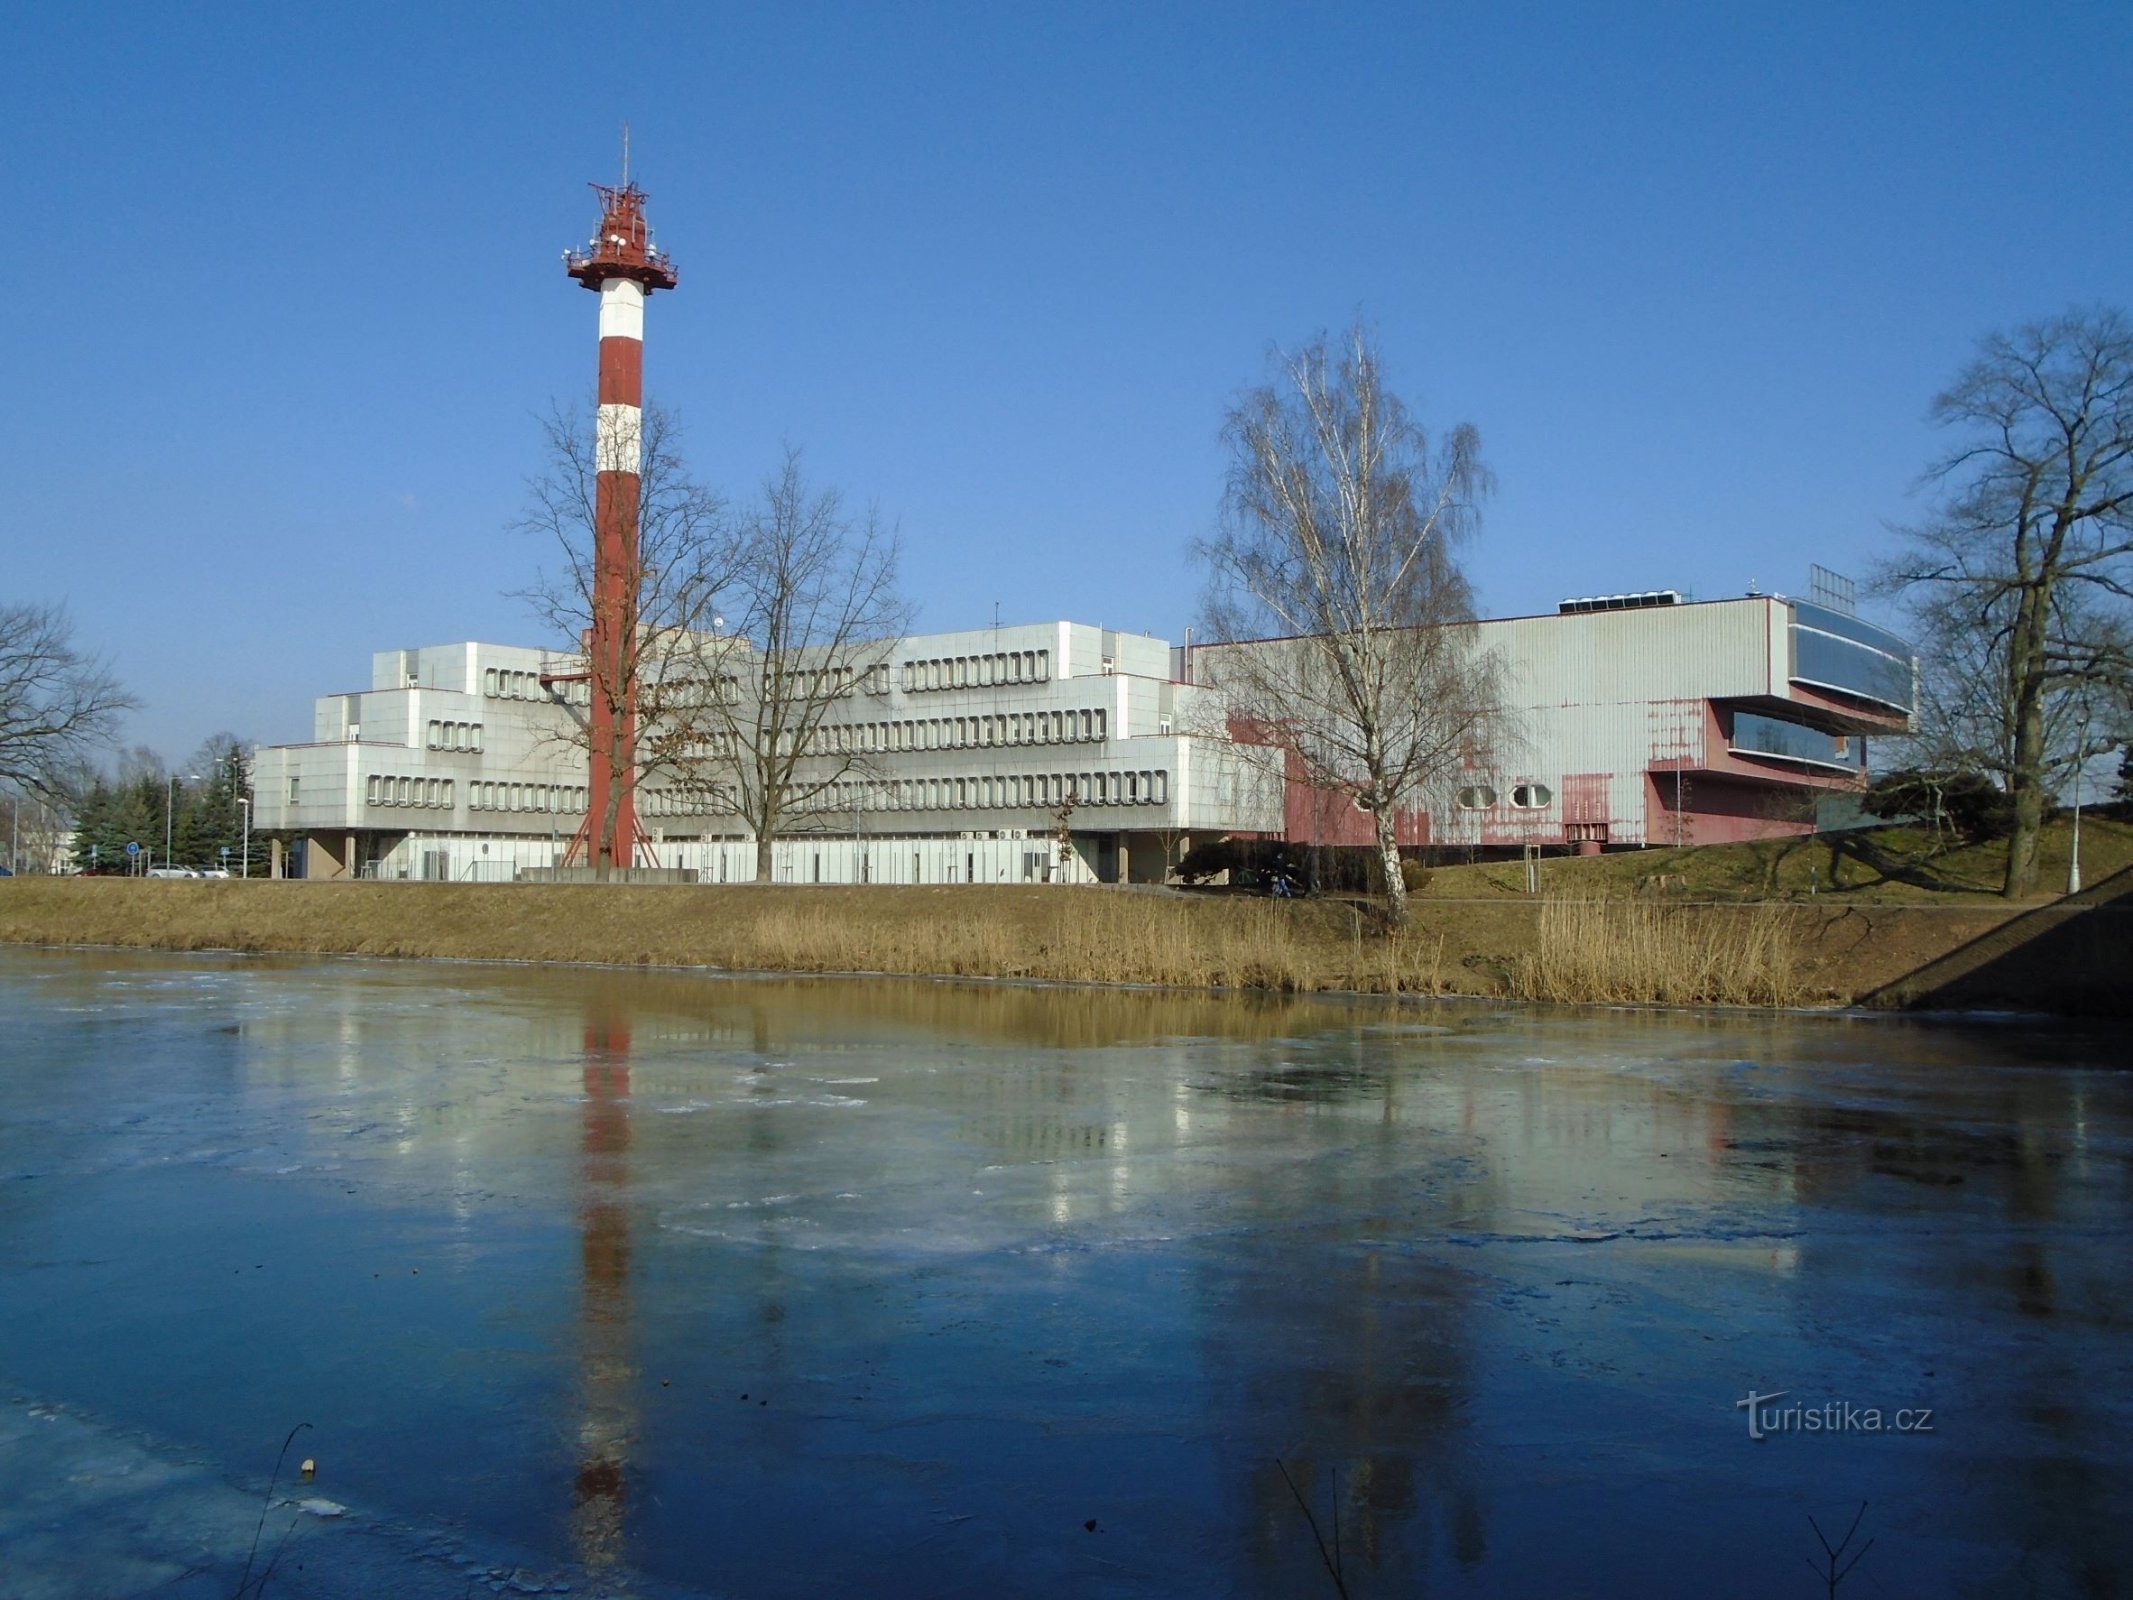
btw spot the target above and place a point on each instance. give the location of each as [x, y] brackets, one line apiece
[1833, 651]
[1793, 741]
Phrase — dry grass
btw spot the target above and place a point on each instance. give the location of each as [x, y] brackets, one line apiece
[1630, 950]
[1635, 950]
[1076, 935]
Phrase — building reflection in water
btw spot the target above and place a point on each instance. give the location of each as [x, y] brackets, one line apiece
[607, 1371]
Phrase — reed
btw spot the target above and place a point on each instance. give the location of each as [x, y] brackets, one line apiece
[1631, 951]
[1085, 935]
[1620, 950]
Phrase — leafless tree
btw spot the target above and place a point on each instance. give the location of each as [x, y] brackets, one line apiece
[2019, 578]
[1063, 831]
[685, 554]
[1335, 547]
[1965, 722]
[57, 703]
[751, 719]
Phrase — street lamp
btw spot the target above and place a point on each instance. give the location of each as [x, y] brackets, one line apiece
[245, 802]
[2073, 860]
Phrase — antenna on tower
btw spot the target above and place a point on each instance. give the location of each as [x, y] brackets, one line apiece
[625, 155]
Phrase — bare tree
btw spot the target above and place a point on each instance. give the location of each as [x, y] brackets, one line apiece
[751, 719]
[1335, 549]
[684, 554]
[57, 703]
[1965, 721]
[2020, 576]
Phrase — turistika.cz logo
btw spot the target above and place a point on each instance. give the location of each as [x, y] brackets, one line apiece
[1766, 1417]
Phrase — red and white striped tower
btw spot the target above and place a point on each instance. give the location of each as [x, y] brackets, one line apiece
[622, 266]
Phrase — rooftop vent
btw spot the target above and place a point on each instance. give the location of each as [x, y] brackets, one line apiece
[1619, 602]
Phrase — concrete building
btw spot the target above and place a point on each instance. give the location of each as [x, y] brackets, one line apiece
[1633, 720]
[463, 762]
[1643, 720]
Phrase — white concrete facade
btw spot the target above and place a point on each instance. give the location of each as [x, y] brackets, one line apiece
[458, 763]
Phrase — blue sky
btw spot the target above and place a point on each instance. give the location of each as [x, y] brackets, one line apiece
[287, 296]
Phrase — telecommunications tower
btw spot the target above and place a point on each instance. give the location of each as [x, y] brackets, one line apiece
[621, 265]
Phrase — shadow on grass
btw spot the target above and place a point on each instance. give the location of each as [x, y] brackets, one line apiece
[2070, 957]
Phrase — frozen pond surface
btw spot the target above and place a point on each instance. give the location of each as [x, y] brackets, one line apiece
[667, 1285]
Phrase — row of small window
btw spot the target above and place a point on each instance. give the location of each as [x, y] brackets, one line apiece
[963, 733]
[455, 736]
[1524, 797]
[1046, 790]
[691, 802]
[438, 793]
[978, 672]
[545, 797]
[500, 684]
[382, 791]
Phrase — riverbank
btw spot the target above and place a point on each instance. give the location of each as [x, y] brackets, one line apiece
[1618, 951]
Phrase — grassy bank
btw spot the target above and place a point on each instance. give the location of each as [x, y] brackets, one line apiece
[1620, 950]
[1076, 935]
[1898, 865]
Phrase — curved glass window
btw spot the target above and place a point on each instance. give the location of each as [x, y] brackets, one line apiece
[1476, 797]
[1794, 741]
[1531, 796]
[1833, 651]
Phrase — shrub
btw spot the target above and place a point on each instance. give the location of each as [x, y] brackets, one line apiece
[1966, 801]
[1210, 859]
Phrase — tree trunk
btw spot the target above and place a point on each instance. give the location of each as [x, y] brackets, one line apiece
[765, 845]
[2028, 798]
[2026, 780]
[1389, 858]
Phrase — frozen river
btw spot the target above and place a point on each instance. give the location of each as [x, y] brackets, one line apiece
[653, 1284]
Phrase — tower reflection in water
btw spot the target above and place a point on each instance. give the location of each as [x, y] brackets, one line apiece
[607, 1371]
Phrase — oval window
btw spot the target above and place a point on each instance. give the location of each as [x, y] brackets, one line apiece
[1477, 797]
[1530, 796]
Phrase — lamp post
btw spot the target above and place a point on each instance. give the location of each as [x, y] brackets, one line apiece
[246, 803]
[2073, 860]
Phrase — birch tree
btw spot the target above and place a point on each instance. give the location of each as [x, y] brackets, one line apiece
[1336, 548]
[2020, 577]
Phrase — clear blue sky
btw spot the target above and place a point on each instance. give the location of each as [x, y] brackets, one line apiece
[287, 297]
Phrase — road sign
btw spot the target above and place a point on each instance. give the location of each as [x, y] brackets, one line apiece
[225, 852]
[133, 847]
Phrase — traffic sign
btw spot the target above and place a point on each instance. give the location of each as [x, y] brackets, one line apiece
[133, 847]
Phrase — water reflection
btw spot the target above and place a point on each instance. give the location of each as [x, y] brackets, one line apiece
[894, 1287]
[608, 1373]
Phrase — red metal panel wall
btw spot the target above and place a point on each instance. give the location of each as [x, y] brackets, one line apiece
[1585, 797]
